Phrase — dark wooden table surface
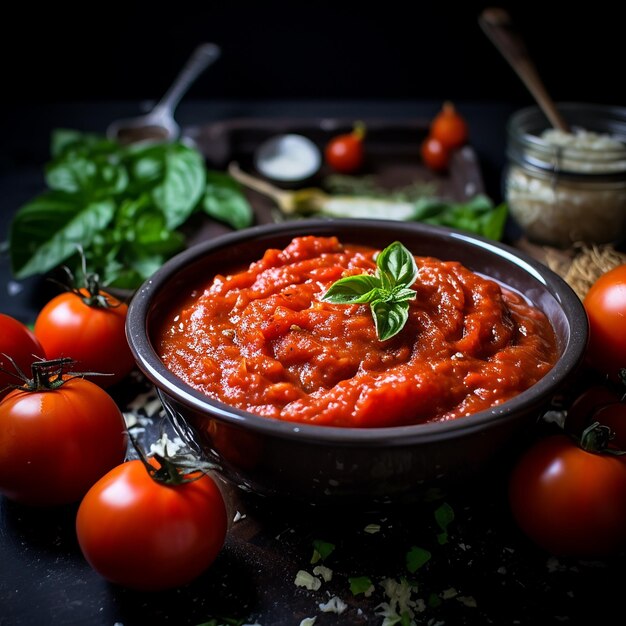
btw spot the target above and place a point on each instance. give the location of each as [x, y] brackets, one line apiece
[484, 572]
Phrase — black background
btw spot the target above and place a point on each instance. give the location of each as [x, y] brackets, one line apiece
[273, 50]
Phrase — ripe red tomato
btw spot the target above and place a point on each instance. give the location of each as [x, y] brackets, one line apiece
[449, 127]
[74, 324]
[614, 416]
[602, 404]
[569, 501]
[345, 153]
[434, 154]
[18, 342]
[56, 442]
[605, 303]
[146, 535]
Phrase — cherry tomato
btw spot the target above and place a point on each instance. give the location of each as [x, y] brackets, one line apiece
[345, 153]
[18, 342]
[605, 303]
[569, 501]
[56, 442]
[147, 535]
[602, 404]
[449, 127]
[613, 416]
[434, 154]
[90, 329]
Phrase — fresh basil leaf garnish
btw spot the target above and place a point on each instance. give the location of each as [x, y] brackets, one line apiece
[353, 289]
[390, 316]
[387, 291]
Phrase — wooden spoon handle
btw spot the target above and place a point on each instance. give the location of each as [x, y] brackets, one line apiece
[498, 26]
[281, 197]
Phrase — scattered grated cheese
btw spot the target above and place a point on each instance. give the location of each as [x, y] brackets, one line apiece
[136, 420]
[304, 579]
[145, 401]
[238, 517]
[467, 601]
[166, 446]
[325, 572]
[400, 604]
[446, 594]
[554, 565]
[334, 605]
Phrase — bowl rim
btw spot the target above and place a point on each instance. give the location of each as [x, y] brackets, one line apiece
[168, 383]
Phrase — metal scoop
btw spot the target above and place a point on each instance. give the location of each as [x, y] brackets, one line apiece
[159, 124]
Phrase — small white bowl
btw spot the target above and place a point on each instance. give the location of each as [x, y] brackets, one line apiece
[288, 158]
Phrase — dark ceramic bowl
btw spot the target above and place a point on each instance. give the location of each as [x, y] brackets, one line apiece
[324, 464]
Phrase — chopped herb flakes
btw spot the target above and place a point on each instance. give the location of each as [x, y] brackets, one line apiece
[444, 515]
[416, 558]
[321, 550]
[361, 584]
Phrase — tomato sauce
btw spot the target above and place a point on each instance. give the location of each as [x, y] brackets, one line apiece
[262, 340]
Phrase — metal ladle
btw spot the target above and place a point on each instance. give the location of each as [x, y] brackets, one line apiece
[498, 26]
[159, 123]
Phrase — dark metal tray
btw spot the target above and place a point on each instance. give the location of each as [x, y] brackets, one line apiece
[392, 147]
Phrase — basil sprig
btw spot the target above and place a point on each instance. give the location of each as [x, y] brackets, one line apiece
[387, 291]
[125, 206]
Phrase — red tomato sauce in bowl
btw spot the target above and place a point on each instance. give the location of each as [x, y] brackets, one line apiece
[261, 339]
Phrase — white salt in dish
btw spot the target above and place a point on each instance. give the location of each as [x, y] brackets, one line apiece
[288, 158]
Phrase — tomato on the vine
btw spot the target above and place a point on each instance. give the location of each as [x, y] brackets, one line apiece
[434, 154]
[605, 303]
[614, 416]
[58, 435]
[345, 153]
[141, 533]
[449, 127]
[448, 132]
[17, 342]
[602, 404]
[569, 500]
[88, 326]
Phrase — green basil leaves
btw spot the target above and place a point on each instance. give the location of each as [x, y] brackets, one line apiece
[124, 205]
[388, 291]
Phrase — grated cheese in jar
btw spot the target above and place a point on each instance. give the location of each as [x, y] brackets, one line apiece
[566, 188]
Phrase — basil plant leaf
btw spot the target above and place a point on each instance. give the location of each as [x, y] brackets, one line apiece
[92, 178]
[400, 294]
[388, 291]
[398, 263]
[69, 143]
[182, 186]
[46, 231]
[122, 204]
[225, 201]
[389, 317]
[353, 290]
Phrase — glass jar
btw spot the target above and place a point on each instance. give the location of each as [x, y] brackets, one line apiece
[568, 188]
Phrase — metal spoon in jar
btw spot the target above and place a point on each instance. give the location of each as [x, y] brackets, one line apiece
[498, 26]
[159, 123]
